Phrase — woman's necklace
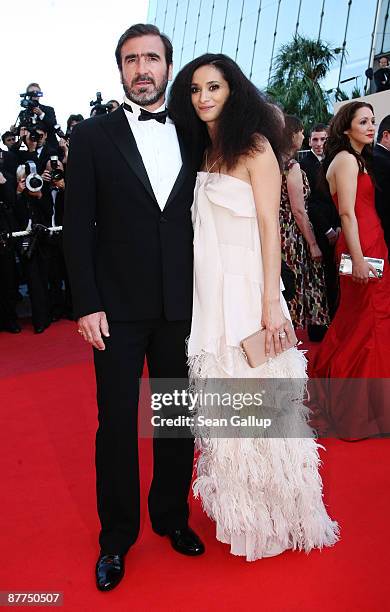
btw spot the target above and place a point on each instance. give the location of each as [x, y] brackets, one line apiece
[208, 169]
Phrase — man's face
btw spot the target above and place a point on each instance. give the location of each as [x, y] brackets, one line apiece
[32, 89]
[9, 141]
[386, 140]
[145, 73]
[42, 138]
[383, 62]
[317, 141]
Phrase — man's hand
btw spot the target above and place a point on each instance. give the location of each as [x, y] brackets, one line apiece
[38, 111]
[21, 186]
[59, 184]
[92, 327]
[3, 180]
[46, 175]
[333, 235]
[31, 144]
[64, 145]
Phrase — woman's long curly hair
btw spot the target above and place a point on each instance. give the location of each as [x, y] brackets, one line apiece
[338, 141]
[246, 114]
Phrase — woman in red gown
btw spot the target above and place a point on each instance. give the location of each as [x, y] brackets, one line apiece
[357, 344]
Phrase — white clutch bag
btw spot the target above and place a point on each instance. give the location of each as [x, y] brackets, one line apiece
[345, 267]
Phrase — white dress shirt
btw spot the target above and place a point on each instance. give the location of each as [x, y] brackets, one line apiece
[159, 148]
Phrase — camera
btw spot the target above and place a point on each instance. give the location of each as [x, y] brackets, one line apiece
[59, 132]
[27, 102]
[56, 173]
[97, 105]
[34, 182]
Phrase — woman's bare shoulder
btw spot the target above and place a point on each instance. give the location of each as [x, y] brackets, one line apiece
[345, 160]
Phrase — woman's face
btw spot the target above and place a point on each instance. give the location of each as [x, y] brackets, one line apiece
[297, 140]
[362, 130]
[209, 92]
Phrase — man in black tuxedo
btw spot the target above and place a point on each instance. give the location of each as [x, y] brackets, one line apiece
[44, 114]
[324, 219]
[382, 75]
[381, 167]
[128, 247]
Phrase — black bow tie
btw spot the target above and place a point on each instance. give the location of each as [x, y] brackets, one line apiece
[145, 115]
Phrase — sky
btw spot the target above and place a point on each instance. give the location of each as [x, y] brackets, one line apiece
[67, 46]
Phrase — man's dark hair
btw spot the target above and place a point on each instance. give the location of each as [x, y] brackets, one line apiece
[6, 135]
[143, 29]
[383, 127]
[247, 119]
[318, 127]
[41, 127]
[71, 118]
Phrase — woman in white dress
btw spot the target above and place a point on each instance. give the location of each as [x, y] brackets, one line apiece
[264, 493]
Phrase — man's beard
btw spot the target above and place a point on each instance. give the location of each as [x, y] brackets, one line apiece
[142, 97]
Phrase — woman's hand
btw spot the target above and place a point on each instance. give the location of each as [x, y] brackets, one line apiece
[361, 271]
[277, 326]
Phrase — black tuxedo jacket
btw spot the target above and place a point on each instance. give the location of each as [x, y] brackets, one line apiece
[321, 208]
[49, 120]
[382, 79]
[381, 167]
[124, 255]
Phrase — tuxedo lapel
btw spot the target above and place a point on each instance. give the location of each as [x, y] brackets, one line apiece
[120, 132]
[182, 173]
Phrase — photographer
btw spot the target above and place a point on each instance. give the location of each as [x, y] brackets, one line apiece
[39, 149]
[71, 122]
[53, 197]
[9, 139]
[112, 105]
[8, 271]
[33, 213]
[44, 114]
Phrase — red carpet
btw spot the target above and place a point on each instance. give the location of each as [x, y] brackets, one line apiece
[49, 525]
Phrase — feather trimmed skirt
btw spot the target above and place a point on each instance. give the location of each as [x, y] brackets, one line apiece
[264, 493]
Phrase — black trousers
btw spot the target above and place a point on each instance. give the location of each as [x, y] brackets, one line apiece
[60, 301]
[36, 271]
[118, 370]
[8, 286]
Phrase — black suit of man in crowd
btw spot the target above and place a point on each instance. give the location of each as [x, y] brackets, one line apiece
[382, 75]
[31, 209]
[324, 219]
[8, 271]
[128, 248]
[381, 167]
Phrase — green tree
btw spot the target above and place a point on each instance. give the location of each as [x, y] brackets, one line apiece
[300, 67]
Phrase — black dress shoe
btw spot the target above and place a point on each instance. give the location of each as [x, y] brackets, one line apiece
[40, 329]
[186, 542]
[109, 571]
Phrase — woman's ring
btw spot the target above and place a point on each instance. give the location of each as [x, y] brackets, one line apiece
[282, 334]
[80, 331]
